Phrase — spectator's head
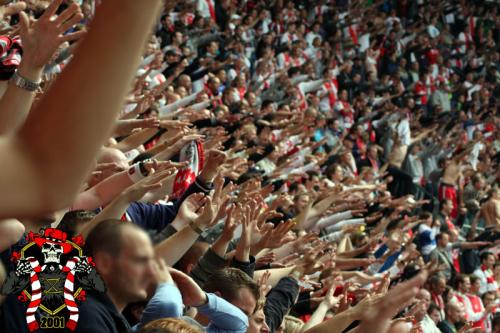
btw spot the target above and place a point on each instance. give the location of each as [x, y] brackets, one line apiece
[185, 81]
[123, 254]
[478, 181]
[73, 222]
[236, 287]
[446, 206]
[213, 47]
[191, 257]
[475, 284]
[454, 312]
[257, 321]
[463, 283]
[443, 239]
[435, 313]
[425, 301]
[112, 155]
[437, 284]
[213, 84]
[373, 152]
[291, 324]
[489, 297]
[301, 201]
[427, 218]
[169, 325]
[425, 297]
[344, 95]
[400, 327]
[488, 260]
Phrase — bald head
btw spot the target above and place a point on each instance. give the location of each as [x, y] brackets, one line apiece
[400, 327]
[113, 155]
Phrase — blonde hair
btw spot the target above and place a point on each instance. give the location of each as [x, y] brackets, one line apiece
[173, 325]
[292, 324]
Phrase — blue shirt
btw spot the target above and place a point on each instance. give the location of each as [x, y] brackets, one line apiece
[167, 302]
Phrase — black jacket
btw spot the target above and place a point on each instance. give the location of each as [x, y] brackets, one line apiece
[279, 301]
[99, 315]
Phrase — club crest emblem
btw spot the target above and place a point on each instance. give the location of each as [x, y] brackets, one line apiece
[51, 276]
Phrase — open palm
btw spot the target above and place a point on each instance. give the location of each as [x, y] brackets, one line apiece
[41, 38]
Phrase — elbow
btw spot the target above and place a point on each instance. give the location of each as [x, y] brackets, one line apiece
[171, 309]
[163, 309]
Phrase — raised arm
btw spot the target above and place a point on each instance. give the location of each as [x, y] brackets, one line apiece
[65, 130]
[40, 42]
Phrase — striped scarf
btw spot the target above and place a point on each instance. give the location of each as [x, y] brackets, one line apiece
[10, 56]
[194, 154]
[69, 287]
[36, 294]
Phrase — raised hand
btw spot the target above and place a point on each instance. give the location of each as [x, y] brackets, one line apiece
[161, 273]
[215, 158]
[42, 38]
[330, 300]
[188, 212]
[277, 237]
[265, 288]
[154, 181]
[267, 259]
[230, 225]
[12, 9]
[192, 294]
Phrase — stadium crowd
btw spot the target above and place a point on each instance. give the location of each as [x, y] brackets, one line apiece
[256, 165]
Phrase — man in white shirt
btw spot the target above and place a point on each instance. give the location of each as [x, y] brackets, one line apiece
[427, 325]
[485, 273]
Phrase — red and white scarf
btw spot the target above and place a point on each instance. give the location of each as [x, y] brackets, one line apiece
[352, 32]
[194, 154]
[491, 284]
[69, 288]
[36, 294]
[10, 56]
[332, 88]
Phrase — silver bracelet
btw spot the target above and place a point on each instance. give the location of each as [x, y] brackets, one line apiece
[24, 83]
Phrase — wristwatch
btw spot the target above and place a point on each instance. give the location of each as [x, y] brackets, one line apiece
[195, 228]
[24, 83]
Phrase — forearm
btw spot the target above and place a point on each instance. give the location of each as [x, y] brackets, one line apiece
[166, 303]
[166, 188]
[323, 205]
[114, 210]
[242, 253]
[276, 274]
[223, 315]
[103, 192]
[124, 127]
[220, 247]
[167, 154]
[332, 219]
[173, 248]
[337, 324]
[135, 140]
[340, 225]
[132, 114]
[284, 250]
[12, 231]
[61, 143]
[317, 317]
[16, 102]
[350, 263]
[353, 253]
